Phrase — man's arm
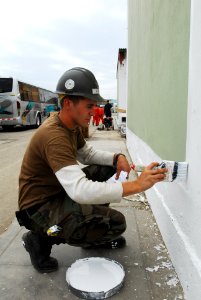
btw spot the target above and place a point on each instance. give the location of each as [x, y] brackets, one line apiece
[145, 181]
[88, 155]
[85, 191]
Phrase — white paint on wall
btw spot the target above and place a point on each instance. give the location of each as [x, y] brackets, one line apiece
[176, 207]
[193, 145]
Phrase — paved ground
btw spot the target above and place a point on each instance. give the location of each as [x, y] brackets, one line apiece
[149, 272]
[12, 147]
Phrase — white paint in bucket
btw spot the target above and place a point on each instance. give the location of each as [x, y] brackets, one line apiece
[95, 275]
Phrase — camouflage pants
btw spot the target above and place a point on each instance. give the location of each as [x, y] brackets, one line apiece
[81, 225]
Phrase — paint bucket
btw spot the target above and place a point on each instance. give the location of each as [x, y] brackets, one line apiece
[95, 277]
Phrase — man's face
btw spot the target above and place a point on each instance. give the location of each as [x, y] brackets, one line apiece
[81, 112]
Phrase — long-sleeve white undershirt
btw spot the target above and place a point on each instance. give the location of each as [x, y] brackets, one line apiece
[85, 191]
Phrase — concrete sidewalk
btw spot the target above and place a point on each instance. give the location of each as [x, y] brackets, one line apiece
[148, 268]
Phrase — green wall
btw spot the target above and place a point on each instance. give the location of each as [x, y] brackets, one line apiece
[158, 50]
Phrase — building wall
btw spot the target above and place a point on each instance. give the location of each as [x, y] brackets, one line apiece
[176, 206]
[158, 45]
[122, 85]
[122, 91]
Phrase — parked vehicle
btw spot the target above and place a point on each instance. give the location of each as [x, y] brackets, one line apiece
[23, 104]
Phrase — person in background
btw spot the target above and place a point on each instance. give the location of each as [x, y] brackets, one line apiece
[60, 201]
[101, 114]
[96, 117]
[107, 109]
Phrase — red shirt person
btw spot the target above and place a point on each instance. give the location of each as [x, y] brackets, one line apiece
[101, 113]
[96, 117]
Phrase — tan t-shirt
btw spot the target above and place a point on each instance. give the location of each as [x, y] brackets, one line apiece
[52, 147]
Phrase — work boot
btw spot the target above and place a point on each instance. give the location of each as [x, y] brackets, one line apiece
[39, 249]
[118, 243]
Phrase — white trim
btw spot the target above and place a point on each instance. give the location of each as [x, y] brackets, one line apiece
[171, 204]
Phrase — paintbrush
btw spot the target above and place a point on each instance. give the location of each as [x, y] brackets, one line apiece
[176, 170]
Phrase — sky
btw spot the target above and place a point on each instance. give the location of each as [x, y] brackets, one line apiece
[41, 39]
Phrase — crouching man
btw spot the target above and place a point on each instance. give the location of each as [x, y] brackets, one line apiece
[60, 202]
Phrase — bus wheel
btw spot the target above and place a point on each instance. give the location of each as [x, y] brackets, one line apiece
[38, 121]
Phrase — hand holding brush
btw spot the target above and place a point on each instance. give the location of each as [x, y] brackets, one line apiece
[150, 175]
[175, 170]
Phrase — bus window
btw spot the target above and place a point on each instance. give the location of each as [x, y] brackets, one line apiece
[18, 108]
[6, 85]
